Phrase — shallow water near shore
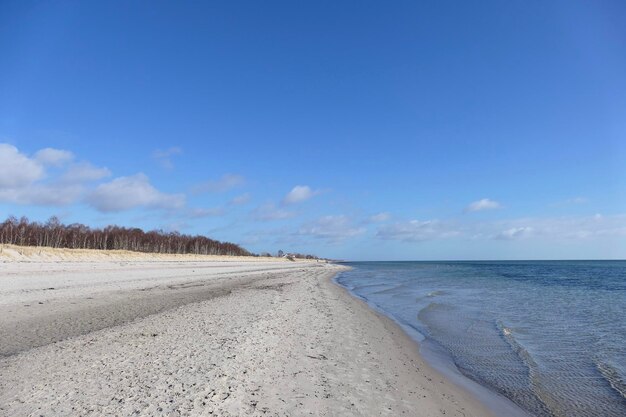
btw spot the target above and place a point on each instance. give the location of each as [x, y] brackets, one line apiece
[549, 335]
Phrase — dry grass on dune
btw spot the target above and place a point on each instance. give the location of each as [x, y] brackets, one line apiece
[14, 253]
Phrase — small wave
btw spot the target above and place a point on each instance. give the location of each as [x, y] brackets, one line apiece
[543, 401]
[508, 335]
[431, 294]
[610, 374]
[434, 307]
[361, 287]
[394, 291]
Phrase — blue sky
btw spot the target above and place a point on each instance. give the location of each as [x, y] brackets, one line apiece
[355, 130]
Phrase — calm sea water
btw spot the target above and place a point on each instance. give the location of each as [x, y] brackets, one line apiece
[549, 335]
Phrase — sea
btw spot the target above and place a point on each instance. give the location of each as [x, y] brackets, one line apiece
[548, 335]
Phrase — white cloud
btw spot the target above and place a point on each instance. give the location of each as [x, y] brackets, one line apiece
[564, 228]
[298, 194]
[16, 169]
[415, 231]
[331, 228]
[265, 236]
[240, 199]
[126, 193]
[252, 239]
[577, 200]
[515, 233]
[269, 211]
[44, 195]
[546, 229]
[379, 218]
[164, 157]
[483, 204]
[227, 182]
[571, 202]
[26, 180]
[197, 213]
[20, 178]
[84, 172]
[53, 157]
[175, 226]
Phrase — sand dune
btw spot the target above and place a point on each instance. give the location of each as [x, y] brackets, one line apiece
[14, 253]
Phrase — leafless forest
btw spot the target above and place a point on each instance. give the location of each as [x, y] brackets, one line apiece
[78, 236]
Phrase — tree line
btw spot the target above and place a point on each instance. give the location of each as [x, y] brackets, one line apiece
[55, 234]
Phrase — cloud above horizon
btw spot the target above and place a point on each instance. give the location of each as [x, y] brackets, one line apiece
[164, 157]
[299, 193]
[84, 172]
[241, 199]
[17, 169]
[552, 229]
[225, 183]
[53, 157]
[269, 212]
[125, 193]
[197, 213]
[25, 180]
[416, 231]
[53, 178]
[483, 204]
[332, 229]
[43, 194]
[378, 218]
[514, 233]
[574, 201]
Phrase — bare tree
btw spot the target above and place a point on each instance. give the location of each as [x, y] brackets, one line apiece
[78, 236]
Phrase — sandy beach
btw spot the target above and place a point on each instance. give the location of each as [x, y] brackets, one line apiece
[145, 335]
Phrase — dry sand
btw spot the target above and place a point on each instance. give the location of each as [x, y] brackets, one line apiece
[194, 338]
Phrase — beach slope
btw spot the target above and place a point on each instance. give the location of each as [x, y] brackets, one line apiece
[191, 338]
